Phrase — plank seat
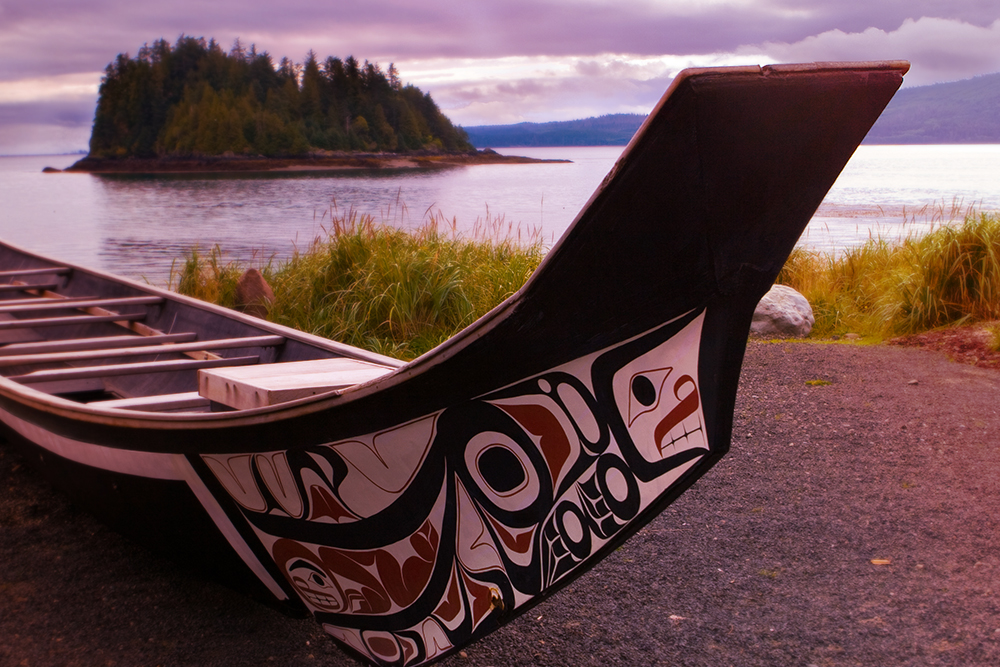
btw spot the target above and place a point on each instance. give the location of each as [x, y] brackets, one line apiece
[114, 370]
[54, 270]
[70, 320]
[140, 351]
[43, 303]
[52, 297]
[101, 343]
[184, 401]
[270, 384]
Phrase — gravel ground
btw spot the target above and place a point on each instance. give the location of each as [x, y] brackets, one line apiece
[854, 522]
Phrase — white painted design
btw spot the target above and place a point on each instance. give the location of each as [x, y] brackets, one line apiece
[128, 462]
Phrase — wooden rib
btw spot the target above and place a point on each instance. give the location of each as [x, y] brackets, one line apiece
[147, 350]
[24, 287]
[129, 323]
[48, 297]
[105, 343]
[73, 319]
[81, 303]
[57, 270]
[113, 370]
[189, 399]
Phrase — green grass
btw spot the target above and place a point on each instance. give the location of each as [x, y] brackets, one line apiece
[374, 286]
[886, 288]
[402, 293]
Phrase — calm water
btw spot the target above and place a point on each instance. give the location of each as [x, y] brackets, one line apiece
[138, 226]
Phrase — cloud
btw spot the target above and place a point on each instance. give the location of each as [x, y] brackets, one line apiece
[489, 61]
[509, 90]
[61, 36]
[938, 49]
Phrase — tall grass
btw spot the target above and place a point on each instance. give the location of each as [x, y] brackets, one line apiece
[883, 288]
[375, 286]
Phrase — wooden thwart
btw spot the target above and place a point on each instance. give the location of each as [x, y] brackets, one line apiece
[146, 350]
[112, 370]
[270, 384]
[70, 320]
[102, 343]
[52, 297]
[41, 304]
[183, 401]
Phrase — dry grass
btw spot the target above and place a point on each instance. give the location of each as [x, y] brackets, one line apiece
[381, 288]
[885, 288]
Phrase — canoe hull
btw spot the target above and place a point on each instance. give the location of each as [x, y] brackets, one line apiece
[419, 511]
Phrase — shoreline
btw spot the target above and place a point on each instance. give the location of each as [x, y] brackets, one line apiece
[305, 163]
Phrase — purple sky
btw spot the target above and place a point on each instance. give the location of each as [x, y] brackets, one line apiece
[485, 62]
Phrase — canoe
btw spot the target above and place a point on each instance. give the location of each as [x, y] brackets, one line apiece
[412, 508]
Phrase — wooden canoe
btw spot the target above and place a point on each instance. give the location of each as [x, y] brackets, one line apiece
[412, 508]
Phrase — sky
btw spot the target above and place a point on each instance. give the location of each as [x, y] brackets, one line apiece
[483, 61]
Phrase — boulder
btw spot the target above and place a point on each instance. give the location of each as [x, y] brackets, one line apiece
[253, 295]
[782, 312]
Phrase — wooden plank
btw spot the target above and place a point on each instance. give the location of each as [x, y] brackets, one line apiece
[101, 343]
[70, 320]
[112, 370]
[56, 270]
[62, 304]
[146, 350]
[71, 386]
[270, 384]
[10, 287]
[47, 297]
[183, 401]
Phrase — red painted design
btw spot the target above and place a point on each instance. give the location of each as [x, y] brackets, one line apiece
[324, 504]
[520, 543]
[481, 597]
[451, 606]
[380, 646]
[359, 589]
[552, 442]
[687, 407]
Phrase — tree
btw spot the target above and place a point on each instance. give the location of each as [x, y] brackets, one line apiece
[194, 98]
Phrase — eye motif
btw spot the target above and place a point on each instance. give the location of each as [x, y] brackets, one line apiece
[643, 390]
[501, 469]
[646, 388]
[496, 465]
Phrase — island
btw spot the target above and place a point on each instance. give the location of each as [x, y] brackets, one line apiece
[192, 106]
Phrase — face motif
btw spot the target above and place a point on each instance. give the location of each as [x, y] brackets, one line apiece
[657, 397]
[315, 585]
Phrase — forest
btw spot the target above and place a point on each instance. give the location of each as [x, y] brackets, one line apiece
[193, 98]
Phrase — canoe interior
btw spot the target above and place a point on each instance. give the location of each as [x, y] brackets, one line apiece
[88, 338]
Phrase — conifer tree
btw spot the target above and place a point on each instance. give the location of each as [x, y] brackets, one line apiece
[193, 98]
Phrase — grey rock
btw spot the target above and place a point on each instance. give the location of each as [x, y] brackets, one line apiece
[782, 312]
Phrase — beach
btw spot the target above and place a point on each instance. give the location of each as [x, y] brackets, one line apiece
[854, 522]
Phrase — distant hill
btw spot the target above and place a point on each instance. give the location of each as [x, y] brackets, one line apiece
[610, 130]
[960, 112]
